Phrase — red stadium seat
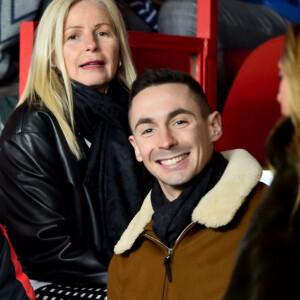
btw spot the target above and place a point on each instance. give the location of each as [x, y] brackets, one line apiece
[251, 109]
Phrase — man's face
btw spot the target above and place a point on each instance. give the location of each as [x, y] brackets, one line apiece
[170, 135]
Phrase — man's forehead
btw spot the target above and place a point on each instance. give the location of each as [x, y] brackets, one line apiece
[162, 100]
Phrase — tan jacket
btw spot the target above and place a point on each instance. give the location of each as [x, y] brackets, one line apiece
[203, 257]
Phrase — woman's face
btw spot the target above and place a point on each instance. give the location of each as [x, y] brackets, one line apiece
[90, 45]
[283, 92]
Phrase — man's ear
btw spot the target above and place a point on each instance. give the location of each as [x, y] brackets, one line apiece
[215, 125]
[136, 149]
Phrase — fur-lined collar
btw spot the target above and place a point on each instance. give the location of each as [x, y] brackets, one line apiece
[217, 208]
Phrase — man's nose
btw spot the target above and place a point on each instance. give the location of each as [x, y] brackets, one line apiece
[166, 139]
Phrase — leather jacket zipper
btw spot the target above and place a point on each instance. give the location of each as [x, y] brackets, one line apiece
[167, 259]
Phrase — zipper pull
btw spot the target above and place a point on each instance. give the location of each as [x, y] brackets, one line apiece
[167, 262]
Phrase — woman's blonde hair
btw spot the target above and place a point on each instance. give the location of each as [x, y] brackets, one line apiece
[290, 61]
[44, 87]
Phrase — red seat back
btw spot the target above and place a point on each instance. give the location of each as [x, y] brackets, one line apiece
[251, 109]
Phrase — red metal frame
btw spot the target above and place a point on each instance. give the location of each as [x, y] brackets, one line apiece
[207, 12]
[151, 50]
[27, 30]
[194, 55]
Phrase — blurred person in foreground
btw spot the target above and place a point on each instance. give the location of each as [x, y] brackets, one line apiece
[268, 264]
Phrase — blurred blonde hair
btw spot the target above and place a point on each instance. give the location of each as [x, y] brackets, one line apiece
[44, 87]
[290, 61]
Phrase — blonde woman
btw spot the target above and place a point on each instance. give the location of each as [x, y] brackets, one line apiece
[268, 264]
[69, 182]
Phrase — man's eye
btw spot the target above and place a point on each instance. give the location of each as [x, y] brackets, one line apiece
[148, 130]
[180, 122]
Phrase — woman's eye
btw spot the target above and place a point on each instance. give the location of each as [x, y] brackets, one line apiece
[73, 37]
[102, 33]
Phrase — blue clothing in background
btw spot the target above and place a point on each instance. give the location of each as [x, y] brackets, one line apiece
[146, 10]
[289, 9]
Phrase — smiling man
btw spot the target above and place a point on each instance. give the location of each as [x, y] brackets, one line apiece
[182, 243]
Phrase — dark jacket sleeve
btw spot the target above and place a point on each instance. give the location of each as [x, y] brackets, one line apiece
[44, 204]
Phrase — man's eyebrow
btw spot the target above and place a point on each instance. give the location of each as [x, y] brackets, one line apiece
[179, 111]
[143, 121]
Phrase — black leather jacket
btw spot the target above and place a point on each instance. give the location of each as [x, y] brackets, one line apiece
[46, 207]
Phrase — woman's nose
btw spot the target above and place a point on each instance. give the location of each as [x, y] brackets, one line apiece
[91, 44]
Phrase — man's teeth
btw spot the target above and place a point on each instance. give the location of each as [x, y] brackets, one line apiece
[175, 160]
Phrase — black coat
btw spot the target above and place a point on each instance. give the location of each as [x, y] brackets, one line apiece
[268, 264]
[52, 213]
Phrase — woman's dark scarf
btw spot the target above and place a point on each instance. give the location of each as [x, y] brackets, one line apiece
[170, 218]
[112, 172]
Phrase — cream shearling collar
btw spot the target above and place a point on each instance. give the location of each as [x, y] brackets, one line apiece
[217, 208]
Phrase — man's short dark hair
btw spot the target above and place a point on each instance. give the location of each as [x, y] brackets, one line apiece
[154, 77]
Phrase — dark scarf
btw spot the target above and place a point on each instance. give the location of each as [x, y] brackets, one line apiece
[113, 175]
[170, 218]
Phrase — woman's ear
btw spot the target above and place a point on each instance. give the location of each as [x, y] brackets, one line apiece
[215, 124]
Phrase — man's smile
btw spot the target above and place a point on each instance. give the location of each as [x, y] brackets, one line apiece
[173, 161]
